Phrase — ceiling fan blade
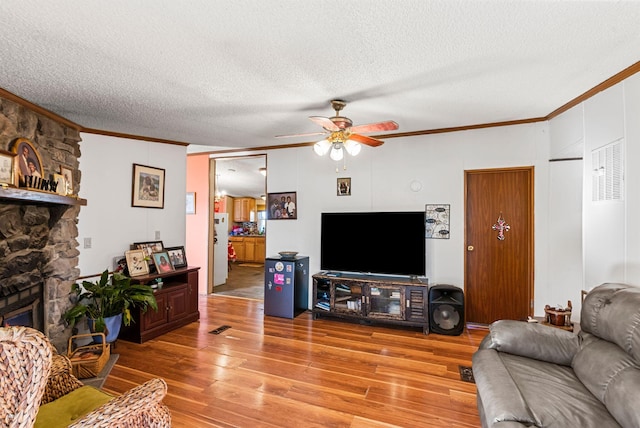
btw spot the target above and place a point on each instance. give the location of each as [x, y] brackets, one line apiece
[325, 122]
[389, 125]
[373, 142]
[308, 134]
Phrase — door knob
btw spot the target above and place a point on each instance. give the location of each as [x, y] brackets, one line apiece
[470, 248]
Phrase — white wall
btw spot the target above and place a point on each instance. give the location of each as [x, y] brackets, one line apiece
[380, 180]
[106, 165]
[604, 221]
[578, 243]
[610, 230]
[564, 257]
[632, 176]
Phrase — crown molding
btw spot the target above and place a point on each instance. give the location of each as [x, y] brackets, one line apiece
[615, 79]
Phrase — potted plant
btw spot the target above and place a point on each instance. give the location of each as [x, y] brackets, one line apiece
[107, 298]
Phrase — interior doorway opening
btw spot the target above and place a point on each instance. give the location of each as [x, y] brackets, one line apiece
[238, 192]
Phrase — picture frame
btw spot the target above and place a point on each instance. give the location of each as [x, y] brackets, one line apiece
[344, 186]
[28, 161]
[177, 256]
[162, 261]
[191, 203]
[147, 187]
[61, 189]
[136, 262]
[7, 168]
[149, 247]
[438, 218]
[279, 206]
[67, 185]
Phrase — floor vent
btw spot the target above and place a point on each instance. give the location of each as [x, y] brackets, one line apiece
[466, 374]
[220, 329]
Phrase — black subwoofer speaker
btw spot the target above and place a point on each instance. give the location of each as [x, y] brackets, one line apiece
[446, 310]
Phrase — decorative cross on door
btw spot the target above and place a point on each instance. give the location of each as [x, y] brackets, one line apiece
[501, 226]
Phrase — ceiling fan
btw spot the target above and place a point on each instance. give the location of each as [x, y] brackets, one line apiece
[342, 133]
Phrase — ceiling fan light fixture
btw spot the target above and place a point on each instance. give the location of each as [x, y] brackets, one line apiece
[322, 147]
[352, 147]
[336, 152]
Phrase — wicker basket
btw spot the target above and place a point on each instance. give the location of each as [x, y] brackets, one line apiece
[88, 360]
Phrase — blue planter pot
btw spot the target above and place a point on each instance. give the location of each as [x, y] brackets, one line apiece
[113, 328]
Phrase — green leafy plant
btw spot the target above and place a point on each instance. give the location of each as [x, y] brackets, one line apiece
[108, 297]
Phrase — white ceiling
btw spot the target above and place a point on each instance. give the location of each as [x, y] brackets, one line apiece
[240, 176]
[233, 74]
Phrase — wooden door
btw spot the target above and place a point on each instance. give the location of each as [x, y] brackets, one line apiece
[498, 272]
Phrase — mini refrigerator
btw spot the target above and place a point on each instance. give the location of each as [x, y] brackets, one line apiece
[286, 286]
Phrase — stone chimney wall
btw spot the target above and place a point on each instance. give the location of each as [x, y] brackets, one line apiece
[38, 242]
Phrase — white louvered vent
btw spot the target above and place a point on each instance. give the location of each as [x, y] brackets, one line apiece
[607, 164]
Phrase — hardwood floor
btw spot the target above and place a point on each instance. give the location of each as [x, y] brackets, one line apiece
[244, 280]
[277, 372]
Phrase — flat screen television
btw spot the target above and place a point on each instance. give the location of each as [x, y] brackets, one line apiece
[391, 243]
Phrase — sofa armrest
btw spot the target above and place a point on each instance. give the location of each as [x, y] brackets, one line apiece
[61, 380]
[532, 340]
[139, 407]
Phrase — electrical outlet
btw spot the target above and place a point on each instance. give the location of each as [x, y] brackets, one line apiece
[87, 242]
[157, 234]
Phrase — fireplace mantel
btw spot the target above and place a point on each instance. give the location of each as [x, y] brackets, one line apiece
[37, 197]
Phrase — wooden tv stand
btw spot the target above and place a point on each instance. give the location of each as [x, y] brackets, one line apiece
[374, 299]
[177, 305]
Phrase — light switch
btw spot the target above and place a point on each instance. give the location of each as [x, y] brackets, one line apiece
[87, 242]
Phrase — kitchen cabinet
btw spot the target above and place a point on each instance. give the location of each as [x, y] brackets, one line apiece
[238, 246]
[261, 251]
[242, 209]
[249, 248]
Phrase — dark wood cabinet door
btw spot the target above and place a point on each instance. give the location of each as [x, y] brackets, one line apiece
[151, 318]
[192, 292]
[177, 303]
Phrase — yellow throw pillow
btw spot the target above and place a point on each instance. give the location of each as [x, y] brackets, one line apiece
[69, 408]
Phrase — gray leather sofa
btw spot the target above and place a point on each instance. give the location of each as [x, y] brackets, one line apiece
[530, 375]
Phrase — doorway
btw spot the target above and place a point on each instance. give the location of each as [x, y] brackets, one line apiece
[499, 244]
[235, 181]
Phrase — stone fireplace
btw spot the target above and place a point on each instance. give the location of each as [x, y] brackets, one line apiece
[38, 246]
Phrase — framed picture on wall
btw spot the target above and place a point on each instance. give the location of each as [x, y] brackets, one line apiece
[191, 202]
[147, 187]
[344, 186]
[282, 206]
[7, 168]
[437, 221]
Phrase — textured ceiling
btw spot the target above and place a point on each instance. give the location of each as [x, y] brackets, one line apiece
[236, 73]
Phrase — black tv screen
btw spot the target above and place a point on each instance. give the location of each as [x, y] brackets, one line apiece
[391, 243]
